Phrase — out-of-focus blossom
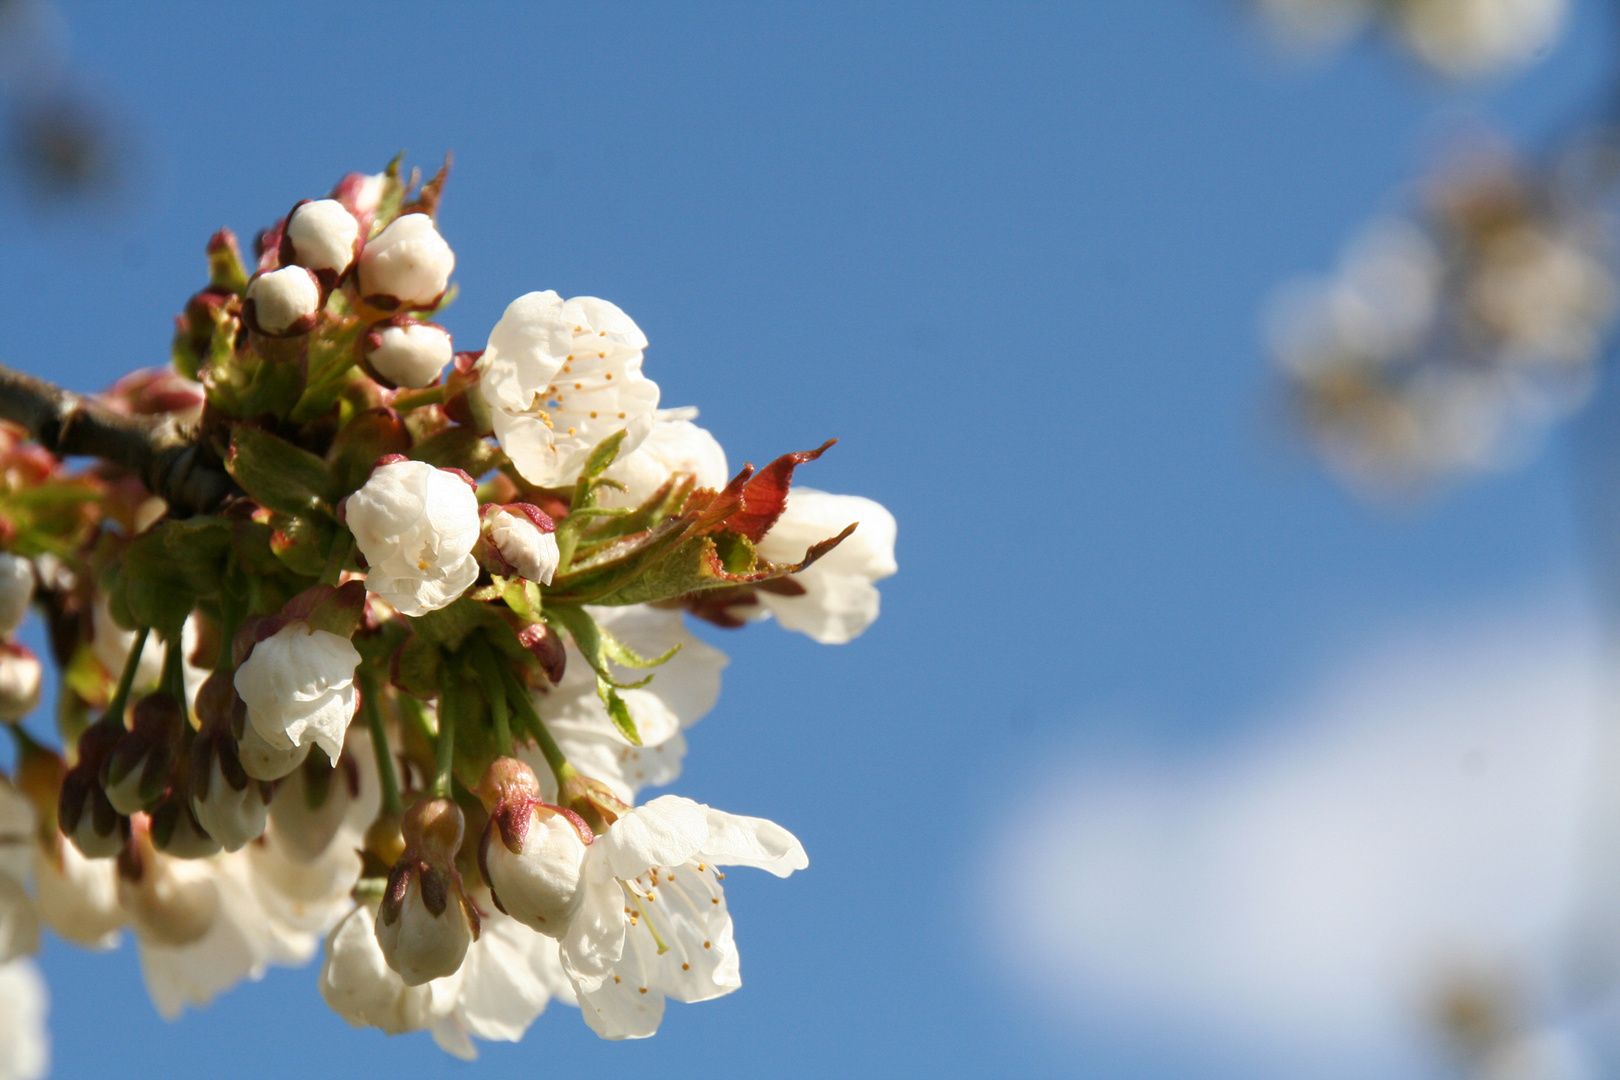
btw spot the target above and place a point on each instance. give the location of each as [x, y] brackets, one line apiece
[20, 679]
[1447, 344]
[1456, 38]
[16, 591]
[24, 1042]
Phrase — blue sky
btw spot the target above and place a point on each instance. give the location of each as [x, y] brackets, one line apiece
[1014, 258]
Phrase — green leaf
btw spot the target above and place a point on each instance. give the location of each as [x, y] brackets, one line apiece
[279, 475]
[618, 710]
[601, 648]
[166, 569]
[450, 625]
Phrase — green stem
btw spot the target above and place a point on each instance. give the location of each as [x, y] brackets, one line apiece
[432, 395]
[174, 679]
[120, 698]
[560, 768]
[337, 556]
[450, 701]
[370, 706]
[489, 673]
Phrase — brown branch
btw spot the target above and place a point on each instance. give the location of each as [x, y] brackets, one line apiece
[167, 457]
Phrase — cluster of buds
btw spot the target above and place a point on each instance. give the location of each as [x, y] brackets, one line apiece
[1445, 342]
[401, 688]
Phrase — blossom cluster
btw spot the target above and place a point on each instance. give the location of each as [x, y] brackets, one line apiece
[395, 700]
[1448, 340]
[1454, 38]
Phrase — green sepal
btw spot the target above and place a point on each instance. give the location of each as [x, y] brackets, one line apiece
[458, 447]
[278, 475]
[275, 388]
[618, 711]
[301, 543]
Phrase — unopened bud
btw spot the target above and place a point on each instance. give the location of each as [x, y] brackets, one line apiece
[522, 539]
[16, 591]
[231, 806]
[83, 812]
[20, 679]
[408, 353]
[531, 853]
[176, 829]
[425, 922]
[263, 761]
[407, 265]
[283, 302]
[140, 767]
[321, 235]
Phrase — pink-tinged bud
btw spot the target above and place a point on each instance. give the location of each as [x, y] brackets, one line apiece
[83, 812]
[405, 353]
[231, 806]
[321, 235]
[593, 801]
[531, 853]
[171, 901]
[407, 265]
[425, 922]
[20, 680]
[521, 540]
[548, 648]
[156, 392]
[283, 303]
[140, 767]
[361, 194]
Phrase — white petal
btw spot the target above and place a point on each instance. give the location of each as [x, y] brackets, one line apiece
[735, 840]
[24, 1041]
[595, 939]
[667, 831]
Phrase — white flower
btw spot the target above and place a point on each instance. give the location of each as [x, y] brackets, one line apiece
[682, 691]
[16, 591]
[357, 983]
[525, 540]
[654, 921]
[298, 686]
[264, 761]
[416, 526]
[407, 262]
[840, 598]
[77, 897]
[509, 975]
[285, 301]
[411, 355]
[323, 235]
[675, 445]
[559, 377]
[530, 852]
[214, 934]
[24, 1041]
[20, 679]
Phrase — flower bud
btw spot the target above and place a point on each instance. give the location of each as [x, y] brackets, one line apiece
[263, 761]
[231, 806]
[416, 526]
[530, 853]
[407, 265]
[593, 801]
[171, 901]
[404, 352]
[156, 392]
[141, 765]
[83, 812]
[521, 540]
[298, 685]
[283, 302]
[177, 831]
[425, 922]
[20, 679]
[16, 591]
[357, 983]
[321, 235]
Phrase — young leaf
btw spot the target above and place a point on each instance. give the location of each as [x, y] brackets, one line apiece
[279, 475]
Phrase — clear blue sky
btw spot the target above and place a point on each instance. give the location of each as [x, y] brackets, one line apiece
[1012, 256]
